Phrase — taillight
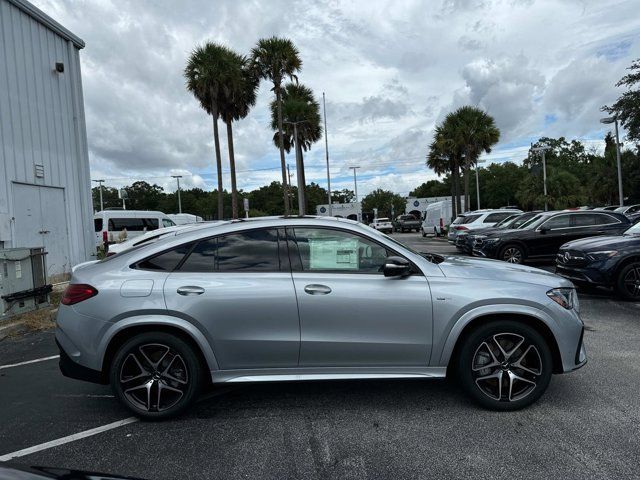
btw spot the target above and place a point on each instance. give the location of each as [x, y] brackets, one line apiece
[105, 237]
[78, 292]
[461, 227]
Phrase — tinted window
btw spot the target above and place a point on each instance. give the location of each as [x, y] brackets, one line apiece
[167, 223]
[254, 251]
[587, 219]
[166, 261]
[634, 209]
[133, 224]
[606, 220]
[496, 217]
[330, 250]
[470, 218]
[560, 221]
[97, 224]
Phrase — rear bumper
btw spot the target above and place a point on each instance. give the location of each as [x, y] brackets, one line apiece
[74, 370]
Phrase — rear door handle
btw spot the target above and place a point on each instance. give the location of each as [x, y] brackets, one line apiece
[315, 289]
[190, 290]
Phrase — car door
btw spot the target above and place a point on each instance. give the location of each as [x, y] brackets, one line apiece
[351, 315]
[237, 287]
[549, 236]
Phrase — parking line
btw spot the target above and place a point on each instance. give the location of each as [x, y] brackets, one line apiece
[43, 359]
[67, 439]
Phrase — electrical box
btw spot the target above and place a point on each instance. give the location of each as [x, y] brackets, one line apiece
[22, 281]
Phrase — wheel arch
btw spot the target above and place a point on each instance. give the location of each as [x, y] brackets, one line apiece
[518, 243]
[623, 263]
[454, 344]
[178, 327]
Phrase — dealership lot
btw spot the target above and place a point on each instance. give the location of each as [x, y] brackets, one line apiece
[586, 425]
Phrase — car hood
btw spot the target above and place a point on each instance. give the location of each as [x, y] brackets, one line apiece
[599, 243]
[486, 269]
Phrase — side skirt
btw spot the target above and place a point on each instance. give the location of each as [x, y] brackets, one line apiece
[314, 373]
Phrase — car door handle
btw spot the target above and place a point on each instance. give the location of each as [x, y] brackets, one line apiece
[190, 290]
[315, 289]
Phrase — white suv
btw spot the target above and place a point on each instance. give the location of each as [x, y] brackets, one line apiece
[382, 224]
[478, 219]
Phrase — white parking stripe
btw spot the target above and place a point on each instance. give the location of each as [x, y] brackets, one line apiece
[70, 438]
[43, 359]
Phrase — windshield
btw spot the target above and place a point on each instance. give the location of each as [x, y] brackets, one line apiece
[506, 222]
[532, 223]
[635, 230]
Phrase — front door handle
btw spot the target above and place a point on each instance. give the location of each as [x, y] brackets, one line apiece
[315, 289]
[190, 290]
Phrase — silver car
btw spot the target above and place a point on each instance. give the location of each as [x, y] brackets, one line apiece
[311, 299]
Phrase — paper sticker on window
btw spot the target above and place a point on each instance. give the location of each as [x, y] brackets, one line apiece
[333, 254]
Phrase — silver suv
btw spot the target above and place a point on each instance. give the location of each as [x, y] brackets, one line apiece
[478, 219]
[311, 299]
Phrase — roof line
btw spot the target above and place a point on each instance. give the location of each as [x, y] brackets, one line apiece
[38, 15]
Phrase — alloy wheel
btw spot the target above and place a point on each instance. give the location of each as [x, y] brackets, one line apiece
[632, 282]
[154, 377]
[512, 255]
[506, 367]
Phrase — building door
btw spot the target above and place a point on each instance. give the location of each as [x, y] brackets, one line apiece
[40, 221]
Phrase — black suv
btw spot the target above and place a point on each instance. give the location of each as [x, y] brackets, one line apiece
[542, 236]
[604, 261]
[465, 240]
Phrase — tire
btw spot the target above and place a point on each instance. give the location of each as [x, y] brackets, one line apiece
[512, 254]
[168, 362]
[533, 365]
[423, 234]
[628, 282]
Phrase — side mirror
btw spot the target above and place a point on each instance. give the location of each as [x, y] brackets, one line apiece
[396, 267]
[544, 230]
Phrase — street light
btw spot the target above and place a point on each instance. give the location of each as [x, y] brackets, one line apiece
[614, 120]
[543, 149]
[326, 150]
[299, 168]
[100, 182]
[178, 177]
[478, 183]
[355, 186]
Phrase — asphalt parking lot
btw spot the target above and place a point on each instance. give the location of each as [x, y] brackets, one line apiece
[587, 425]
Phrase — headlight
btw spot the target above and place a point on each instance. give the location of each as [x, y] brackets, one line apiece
[602, 255]
[491, 239]
[565, 297]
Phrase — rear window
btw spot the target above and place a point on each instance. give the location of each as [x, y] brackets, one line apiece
[459, 219]
[133, 224]
[470, 219]
[166, 261]
[497, 217]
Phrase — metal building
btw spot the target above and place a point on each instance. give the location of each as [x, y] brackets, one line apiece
[45, 196]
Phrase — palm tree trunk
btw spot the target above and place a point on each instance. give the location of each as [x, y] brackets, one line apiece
[232, 167]
[216, 142]
[283, 165]
[456, 184]
[304, 180]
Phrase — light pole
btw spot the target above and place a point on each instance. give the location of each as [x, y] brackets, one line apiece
[299, 168]
[543, 149]
[100, 182]
[478, 184]
[178, 177]
[326, 150]
[355, 186]
[614, 120]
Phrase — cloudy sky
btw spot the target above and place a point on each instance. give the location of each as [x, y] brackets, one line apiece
[391, 70]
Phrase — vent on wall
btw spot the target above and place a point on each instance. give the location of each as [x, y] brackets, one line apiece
[38, 171]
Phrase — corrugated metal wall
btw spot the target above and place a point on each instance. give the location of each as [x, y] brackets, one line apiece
[42, 123]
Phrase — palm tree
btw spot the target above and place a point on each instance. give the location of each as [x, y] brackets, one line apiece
[475, 132]
[274, 59]
[301, 114]
[207, 74]
[444, 156]
[239, 96]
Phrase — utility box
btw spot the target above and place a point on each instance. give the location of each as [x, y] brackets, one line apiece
[23, 286]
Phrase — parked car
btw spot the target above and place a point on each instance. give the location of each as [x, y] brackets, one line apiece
[117, 225]
[382, 224]
[406, 223]
[628, 209]
[609, 208]
[311, 299]
[478, 219]
[611, 261]
[436, 218]
[542, 236]
[184, 218]
[465, 240]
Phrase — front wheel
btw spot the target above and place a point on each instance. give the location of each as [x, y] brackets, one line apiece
[628, 283]
[512, 254]
[156, 375]
[505, 365]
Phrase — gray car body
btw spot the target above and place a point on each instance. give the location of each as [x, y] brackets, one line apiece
[264, 327]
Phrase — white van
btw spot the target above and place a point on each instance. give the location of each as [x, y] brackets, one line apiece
[436, 219]
[184, 218]
[118, 225]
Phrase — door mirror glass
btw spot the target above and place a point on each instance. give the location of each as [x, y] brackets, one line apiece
[395, 266]
[544, 230]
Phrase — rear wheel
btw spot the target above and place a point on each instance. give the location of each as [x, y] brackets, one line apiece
[505, 365]
[512, 254]
[156, 375]
[628, 283]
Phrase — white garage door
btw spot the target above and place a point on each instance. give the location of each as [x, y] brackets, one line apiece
[41, 222]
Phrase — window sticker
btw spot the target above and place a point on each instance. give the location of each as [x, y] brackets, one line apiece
[328, 254]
